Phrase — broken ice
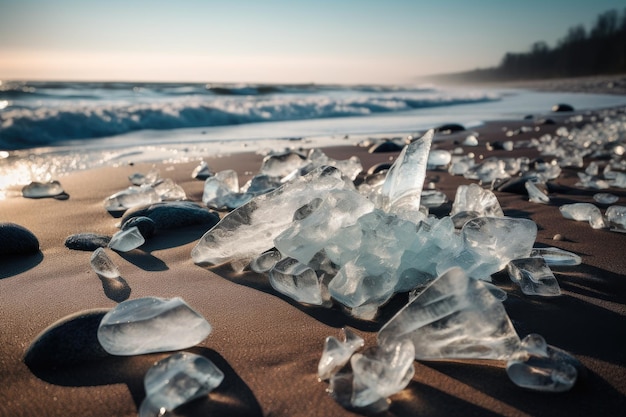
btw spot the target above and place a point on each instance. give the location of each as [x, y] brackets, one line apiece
[584, 212]
[102, 265]
[337, 353]
[534, 277]
[265, 261]
[127, 240]
[131, 197]
[297, 281]
[42, 189]
[535, 195]
[616, 216]
[455, 317]
[151, 324]
[556, 256]
[176, 380]
[541, 367]
[605, 198]
[477, 199]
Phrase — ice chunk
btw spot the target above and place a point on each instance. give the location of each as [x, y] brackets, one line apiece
[460, 165]
[605, 198]
[42, 189]
[584, 212]
[381, 371]
[202, 171]
[251, 228]
[337, 353]
[140, 179]
[296, 280]
[126, 240]
[282, 164]
[534, 277]
[616, 216]
[438, 158]
[489, 170]
[475, 198]
[470, 140]
[265, 261]
[176, 380]
[221, 191]
[403, 186]
[507, 145]
[556, 256]
[168, 190]
[131, 197]
[535, 195]
[350, 167]
[102, 265]
[541, 367]
[433, 198]
[455, 317]
[151, 324]
[261, 184]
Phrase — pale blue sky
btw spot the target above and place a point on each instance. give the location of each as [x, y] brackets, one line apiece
[350, 41]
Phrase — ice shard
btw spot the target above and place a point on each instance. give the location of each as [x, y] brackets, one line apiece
[474, 198]
[405, 180]
[616, 216]
[605, 198]
[584, 212]
[535, 195]
[176, 380]
[350, 167]
[556, 256]
[252, 228]
[541, 367]
[42, 189]
[131, 197]
[126, 240]
[337, 353]
[296, 280]
[151, 324]
[265, 261]
[534, 277]
[455, 317]
[102, 264]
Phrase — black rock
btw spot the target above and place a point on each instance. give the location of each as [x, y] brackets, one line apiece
[87, 241]
[17, 240]
[145, 225]
[561, 107]
[383, 166]
[173, 214]
[450, 128]
[546, 122]
[386, 146]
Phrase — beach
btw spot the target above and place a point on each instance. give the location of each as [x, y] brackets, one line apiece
[267, 345]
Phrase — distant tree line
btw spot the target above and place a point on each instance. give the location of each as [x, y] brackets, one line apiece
[601, 50]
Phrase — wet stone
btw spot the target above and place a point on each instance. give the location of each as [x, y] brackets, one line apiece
[174, 214]
[337, 353]
[605, 198]
[17, 240]
[87, 241]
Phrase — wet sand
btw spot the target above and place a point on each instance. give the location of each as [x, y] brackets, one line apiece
[268, 345]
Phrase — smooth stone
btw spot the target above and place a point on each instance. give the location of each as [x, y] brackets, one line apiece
[449, 128]
[562, 107]
[174, 214]
[387, 146]
[17, 240]
[145, 225]
[87, 241]
[383, 166]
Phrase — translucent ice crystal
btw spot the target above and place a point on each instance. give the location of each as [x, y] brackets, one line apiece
[296, 280]
[605, 198]
[221, 191]
[151, 324]
[337, 353]
[475, 198]
[438, 158]
[535, 195]
[102, 265]
[126, 240]
[534, 277]
[131, 197]
[403, 186]
[556, 256]
[455, 317]
[42, 189]
[584, 212]
[176, 380]
[265, 261]
[616, 216]
[251, 228]
[541, 367]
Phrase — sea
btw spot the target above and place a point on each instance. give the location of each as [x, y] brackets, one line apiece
[48, 128]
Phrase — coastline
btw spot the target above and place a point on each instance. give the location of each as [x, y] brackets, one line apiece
[268, 345]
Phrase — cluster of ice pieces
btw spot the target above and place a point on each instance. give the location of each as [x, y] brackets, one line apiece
[146, 189]
[614, 217]
[222, 191]
[455, 317]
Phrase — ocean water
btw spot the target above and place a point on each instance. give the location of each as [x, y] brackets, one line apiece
[48, 128]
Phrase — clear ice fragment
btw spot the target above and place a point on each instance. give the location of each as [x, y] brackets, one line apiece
[337, 353]
[556, 257]
[221, 191]
[616, 216]
[151, 324]
[455, 317]
[42, 189]
[433, 198]
[282, 164]
[382, 371]
[541, 367]
[296, 280]
[202, 171]
[126, 240]
[131, 197]
[438, 158]
[168, 190]
[477, 199]
[140, 179]
[534, 277]
[535, 195]
[584, 212]
[102, 264]
[265, 261]
[470, 140]
[403, 186]
[176, 380]
[605, 198]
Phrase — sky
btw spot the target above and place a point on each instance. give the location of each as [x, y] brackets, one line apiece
[274, 41]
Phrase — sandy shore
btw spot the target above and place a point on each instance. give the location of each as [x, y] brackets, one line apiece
[268, 345]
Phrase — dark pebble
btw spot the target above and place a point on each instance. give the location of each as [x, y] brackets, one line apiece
[17, 240]
[87, 241]
[387, 146]
[383, 166]
[561, 107]
[145, 225]
[450, 128]
[173, 214]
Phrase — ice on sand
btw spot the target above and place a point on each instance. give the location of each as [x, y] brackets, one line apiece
[102, 264]
[474, 198]
[556, 256]
[176, 380]
[132, 197]
[456, 317]
[297, 280]
[616, 216]
[42, 189]
[151, 324]
[127, 240]
[584, 212]
[534, 277]
[250, 229]
[337, 353]
[535, 195]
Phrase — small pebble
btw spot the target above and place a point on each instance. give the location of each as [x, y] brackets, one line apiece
[558, 236]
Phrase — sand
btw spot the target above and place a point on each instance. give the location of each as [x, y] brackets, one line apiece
[268, 345]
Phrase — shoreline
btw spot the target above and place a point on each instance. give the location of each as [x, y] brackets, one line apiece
[268, 345]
